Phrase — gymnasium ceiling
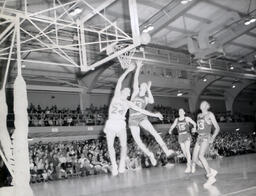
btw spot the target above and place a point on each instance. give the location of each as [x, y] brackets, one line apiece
[173, 23]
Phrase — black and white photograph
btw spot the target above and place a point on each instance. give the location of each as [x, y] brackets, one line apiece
[127, 97]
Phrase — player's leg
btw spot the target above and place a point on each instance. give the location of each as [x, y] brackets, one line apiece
[185, 147]
[195, 159]
[149, 127]
[123, 143]
[135, 130]
[210, 173]
[112, 154]
[203, 148]
[188, 154]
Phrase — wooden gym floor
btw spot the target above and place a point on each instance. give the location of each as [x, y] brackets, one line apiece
[237, 176]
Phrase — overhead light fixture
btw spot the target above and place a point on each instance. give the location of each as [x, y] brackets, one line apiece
[249, 21]
[75, 12]
[23, 66]
[148, 28]
[204, 79]
[233, 86]
[212, 41]
[237, 129]
[231, 67]
[179, 94]
[185, 1]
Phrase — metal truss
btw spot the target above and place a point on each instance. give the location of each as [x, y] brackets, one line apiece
[56, 31]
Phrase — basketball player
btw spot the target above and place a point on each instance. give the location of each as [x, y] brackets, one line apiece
[142, 96]
[116, 126]
[182, 124]
[205, 121]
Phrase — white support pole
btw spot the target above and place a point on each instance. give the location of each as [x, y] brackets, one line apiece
[134, 22]
[56, 26]
[18, 45]
[4, 4]
[66, 11]
[105, 18]
[50, 40]
[6, 30]
[83, 66]
[40, 62]
[4, 22]
[7, 164]
[53, 8]
[68, 59]
[9, 58]
[100, 8]
[79, 44]
[5, 37]
[26, 7]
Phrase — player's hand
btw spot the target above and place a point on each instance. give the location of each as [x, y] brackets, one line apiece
[170, 132]
[139, 64]
[131, 67]
[159, 115]
[211, 140]
[149, 84]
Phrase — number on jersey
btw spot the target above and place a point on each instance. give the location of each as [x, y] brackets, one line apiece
[117, 109]
[182, 126]
[138, 103]
[200, 124]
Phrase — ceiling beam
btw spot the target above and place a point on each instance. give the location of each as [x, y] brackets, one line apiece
[242, 45]
[180, 30]
[104, 5]
[50, 88]
[155, 5]
[151, 4]
[235, 31]
[214, 3]
[197, 18]
[251, 34]
[168, 14]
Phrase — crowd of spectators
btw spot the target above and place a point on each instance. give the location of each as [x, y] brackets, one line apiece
[53, 116]
[53, 161]
[60, 160]
[236, 117]
[236, 143]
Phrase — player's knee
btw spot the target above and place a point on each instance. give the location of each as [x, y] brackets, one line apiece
[110, 146]
[123, 146]
[201, 156]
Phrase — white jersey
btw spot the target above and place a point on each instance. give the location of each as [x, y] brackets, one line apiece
[118, 109]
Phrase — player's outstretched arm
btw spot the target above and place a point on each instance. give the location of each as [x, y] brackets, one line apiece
[138, 109]
[189, 120]
[150, 98]
[174, 124]
[216, 126]
[121, 79]
[136, 79]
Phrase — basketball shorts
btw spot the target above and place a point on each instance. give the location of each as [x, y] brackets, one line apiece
[115, 127]
[136, 119]
[203, 138]
[184, 137]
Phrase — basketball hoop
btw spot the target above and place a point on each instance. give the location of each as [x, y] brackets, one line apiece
[125, 58]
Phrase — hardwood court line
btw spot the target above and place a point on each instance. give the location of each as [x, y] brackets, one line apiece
[240, 191]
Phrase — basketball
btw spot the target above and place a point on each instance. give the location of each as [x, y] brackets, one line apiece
[145, 38]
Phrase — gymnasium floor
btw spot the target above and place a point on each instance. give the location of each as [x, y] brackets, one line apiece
[237, 176]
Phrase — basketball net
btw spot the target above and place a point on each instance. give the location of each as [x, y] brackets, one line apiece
[125, 59]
